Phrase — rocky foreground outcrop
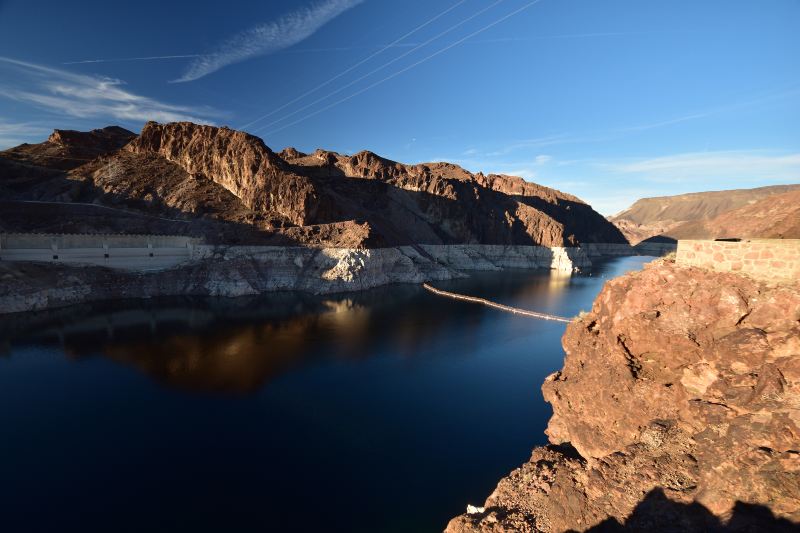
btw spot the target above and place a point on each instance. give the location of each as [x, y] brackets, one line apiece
[678, 409]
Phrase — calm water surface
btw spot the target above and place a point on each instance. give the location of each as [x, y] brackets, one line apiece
[388, 410]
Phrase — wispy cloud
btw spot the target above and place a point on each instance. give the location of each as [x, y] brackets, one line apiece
[14, 133]
[125, 59]
[85, 96]
[266, 38]
[727, 165]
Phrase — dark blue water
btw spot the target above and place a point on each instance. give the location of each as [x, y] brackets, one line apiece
[388, 410]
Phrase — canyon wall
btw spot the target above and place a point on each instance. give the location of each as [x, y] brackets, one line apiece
[229, 187]
[677, 409]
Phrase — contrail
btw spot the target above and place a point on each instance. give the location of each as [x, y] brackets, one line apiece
[370, 73]
[387, 78]
[350, 69]
[383, 48]
[114, 60]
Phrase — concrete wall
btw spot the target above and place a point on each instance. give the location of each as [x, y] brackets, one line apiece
[772, 260]
[129, 252]
[497, 257]
[603, 249]
[159, 252]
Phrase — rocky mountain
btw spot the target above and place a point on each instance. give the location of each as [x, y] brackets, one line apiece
[695, 215]
[26, 165]
[676, 410]
[227, 185]
[67, 149]
[773, 217]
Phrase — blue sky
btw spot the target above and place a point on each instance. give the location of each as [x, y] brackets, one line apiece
[610, 100]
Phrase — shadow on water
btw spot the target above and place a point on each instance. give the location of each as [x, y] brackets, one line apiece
[386, 410]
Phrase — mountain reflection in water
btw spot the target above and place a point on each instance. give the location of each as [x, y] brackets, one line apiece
[236, 346]
[386, 410]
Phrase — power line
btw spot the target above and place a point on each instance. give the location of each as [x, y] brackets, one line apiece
[370, 73]
[334, 104]
[350, 69]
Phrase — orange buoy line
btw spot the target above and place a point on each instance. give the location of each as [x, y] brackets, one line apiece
[484, 301]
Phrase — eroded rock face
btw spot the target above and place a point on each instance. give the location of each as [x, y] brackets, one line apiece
[193, 172]
[442, 203]
[678, 407]
[764, 212]
[26, 166]
[238, 161]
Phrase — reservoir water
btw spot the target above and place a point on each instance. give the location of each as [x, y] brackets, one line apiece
[387, 410]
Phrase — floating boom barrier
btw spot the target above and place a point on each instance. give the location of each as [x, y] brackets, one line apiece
[488, 303]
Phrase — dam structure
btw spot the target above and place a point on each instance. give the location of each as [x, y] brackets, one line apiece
[54, 270]
[147, 253]
[128, 252]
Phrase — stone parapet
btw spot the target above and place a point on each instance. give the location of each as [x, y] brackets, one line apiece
[771, 260]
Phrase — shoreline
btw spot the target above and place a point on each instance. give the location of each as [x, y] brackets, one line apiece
[232, 271]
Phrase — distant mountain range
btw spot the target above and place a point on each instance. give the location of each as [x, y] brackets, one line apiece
[228, 186]
[764, 212]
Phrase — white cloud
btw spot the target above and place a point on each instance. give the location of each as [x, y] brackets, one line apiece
[543, 159]
[287, 31]
[85, 96]
[14, 133]
[707, 166]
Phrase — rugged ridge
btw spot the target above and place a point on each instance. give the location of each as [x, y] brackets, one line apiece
[676, 410]
[238, 161]
[707, 215]
[229, 183]
[67, 149]
[27, 166]
[774, 217]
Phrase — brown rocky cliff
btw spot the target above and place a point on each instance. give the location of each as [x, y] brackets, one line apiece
[678, 408]
[706, 215]
[189, 171]
[30, 164]
[774, 217]
[461, 207]
[238, 161]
